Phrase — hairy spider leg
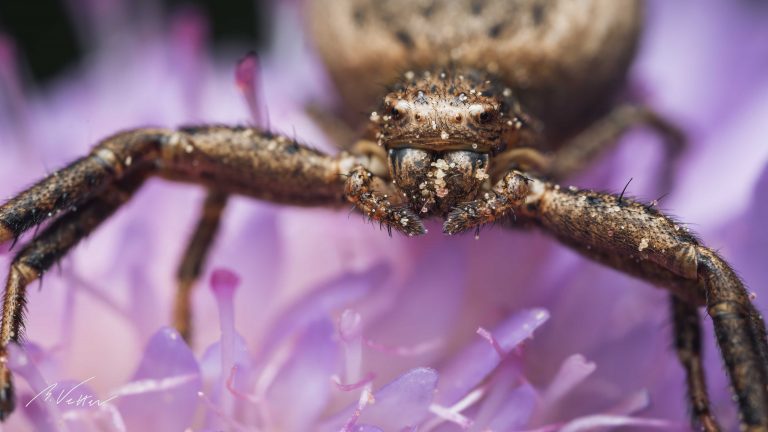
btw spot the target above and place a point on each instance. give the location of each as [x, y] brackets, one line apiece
[687, 337]
[194, 258]
[602, 135]
[605, 133]
[80, 196]
[38, 256]
[639, 240]
[363, 189]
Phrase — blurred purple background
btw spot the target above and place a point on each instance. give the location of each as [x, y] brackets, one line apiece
[321, 293]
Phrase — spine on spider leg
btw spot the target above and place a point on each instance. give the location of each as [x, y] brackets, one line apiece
[81, 180]
[617, 225]
[621, 233]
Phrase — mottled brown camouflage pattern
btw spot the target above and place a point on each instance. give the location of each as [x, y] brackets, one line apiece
[491, 103]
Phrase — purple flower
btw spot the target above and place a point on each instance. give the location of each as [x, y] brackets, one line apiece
[325, 324]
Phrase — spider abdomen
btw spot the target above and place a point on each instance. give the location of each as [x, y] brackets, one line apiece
[565, 59]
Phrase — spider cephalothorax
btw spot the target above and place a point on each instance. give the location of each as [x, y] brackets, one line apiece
[440, 129]
[441, 111]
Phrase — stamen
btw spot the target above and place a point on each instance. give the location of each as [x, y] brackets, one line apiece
[453, 413]
[369, 377]
[233, 424]
[573, 371]
[237, 393]
[223, 284]
[450, 415]
[406, 351]
[20, 363]
[10, 85]
[189, 32]
[485, 334]
[366, 398]
[350, 333]
[248, 80]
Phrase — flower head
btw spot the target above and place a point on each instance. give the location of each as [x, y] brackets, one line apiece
[322, 323]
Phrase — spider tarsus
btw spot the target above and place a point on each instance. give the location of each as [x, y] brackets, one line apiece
[407, 222]
[6, 234]
[7, 395]
[461, 218]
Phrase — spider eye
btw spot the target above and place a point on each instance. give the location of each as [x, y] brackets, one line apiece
[481, 113]
[398, 110]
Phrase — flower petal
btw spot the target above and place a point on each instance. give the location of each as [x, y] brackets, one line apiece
[473, 364]
[210, 362]
[516, 410]
[329, 296]
[573, 371]
[602, 422]
[424, 310]
[163, 392]
[63, 404]
[366, 428]
[301, 390]
[400, 404]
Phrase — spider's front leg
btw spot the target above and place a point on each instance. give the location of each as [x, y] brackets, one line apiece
[381, 203]
[639, 240]
[38, 256]
[227, 160]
